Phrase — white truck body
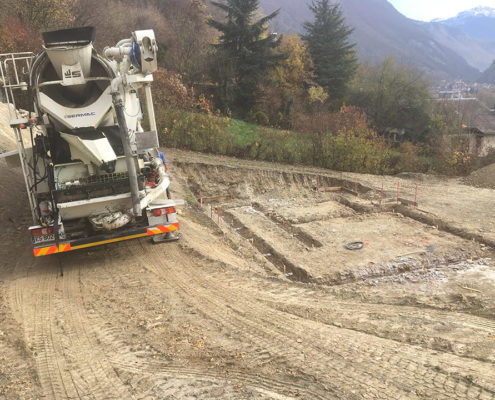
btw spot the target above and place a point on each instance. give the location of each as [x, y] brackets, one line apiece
[92, 173]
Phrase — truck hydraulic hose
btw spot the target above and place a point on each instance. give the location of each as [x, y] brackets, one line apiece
[129, 159]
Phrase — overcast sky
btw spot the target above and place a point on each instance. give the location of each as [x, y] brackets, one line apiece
[426, 10]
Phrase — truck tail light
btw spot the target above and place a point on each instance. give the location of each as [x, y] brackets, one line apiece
[157, 212]
[42, 231]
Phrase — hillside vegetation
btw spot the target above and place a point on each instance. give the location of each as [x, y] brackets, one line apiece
[229, 85]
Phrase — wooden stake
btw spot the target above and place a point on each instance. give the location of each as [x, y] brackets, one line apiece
[331, 189]
[398, 191]
[207, 200]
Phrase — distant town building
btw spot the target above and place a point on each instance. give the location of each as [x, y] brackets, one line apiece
[476, 132]
[481, 130]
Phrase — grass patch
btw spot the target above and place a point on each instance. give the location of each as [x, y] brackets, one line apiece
[243, 133]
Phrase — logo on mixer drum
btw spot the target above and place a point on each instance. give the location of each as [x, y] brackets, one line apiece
[88, 114]
[72, 74]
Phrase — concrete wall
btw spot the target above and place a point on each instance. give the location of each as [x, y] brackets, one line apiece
[487, 144]
[481, 145]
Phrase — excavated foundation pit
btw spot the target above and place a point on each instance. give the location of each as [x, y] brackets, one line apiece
[303, 232]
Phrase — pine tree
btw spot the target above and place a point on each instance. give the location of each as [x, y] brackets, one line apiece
[245, 53]
[334, 57]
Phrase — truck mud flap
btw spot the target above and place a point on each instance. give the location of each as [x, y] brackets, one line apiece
[77, 244]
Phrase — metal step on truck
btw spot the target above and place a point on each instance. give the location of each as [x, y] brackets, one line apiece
[93, 173]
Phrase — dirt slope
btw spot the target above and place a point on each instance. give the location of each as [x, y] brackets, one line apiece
[483, 178]
[7, 138]
[216, 316]
[138, 321]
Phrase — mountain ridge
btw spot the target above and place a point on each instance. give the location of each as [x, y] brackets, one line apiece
[489, 75]
[478, 53]
[475, 11]
[479, 22]
[381, 31]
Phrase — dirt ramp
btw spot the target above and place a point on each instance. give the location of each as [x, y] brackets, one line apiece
[7, 140]
[247, 183]
[215, 180]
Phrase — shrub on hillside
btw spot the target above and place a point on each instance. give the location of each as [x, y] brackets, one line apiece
[283, 146]
[185, 121]
[344, 141]
[409, 159]
[16, 37]
[196, 131]
[170, 92]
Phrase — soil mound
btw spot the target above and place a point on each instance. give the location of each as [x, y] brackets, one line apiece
[482, 178]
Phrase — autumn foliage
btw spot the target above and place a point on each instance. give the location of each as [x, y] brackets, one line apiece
[16, 37]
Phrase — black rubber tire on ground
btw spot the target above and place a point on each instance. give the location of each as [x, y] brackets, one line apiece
[353, 246]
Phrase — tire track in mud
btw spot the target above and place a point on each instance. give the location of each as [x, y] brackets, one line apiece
[363, 319]
[320, 304]
[96, 375]
[224, 314]
[160, 374]
[382, 362]
[188, 296]
[18, 377]
[298, 297]
[34, 301]
[213, 298]
[69, 362]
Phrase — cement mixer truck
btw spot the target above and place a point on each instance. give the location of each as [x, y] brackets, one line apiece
[87, 141]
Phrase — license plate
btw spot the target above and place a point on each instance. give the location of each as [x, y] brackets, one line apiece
[44, 238]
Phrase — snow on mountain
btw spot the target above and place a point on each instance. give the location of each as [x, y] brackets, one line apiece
[478, 22]
[480, 11]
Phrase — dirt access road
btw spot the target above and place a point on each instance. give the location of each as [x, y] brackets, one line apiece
[267, 305]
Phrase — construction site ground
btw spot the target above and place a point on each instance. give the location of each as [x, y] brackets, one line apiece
[260, 299]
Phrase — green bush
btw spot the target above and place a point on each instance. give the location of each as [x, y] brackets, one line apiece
[206, 132]
[195, 131]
